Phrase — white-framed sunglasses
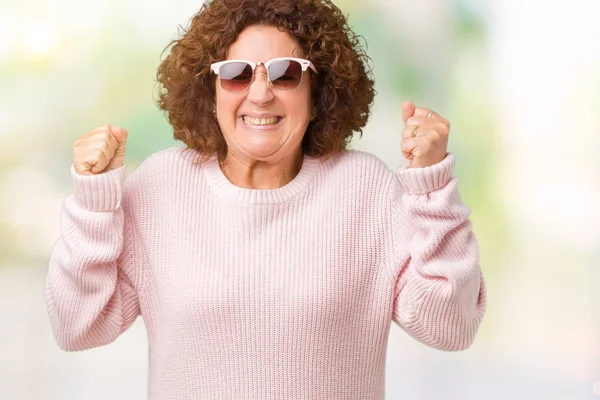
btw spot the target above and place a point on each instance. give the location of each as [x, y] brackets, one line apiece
[283, 73]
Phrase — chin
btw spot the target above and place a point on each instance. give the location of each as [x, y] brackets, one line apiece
[262, 149]
[261, 154]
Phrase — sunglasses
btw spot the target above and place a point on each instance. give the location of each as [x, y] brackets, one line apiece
[283, 73]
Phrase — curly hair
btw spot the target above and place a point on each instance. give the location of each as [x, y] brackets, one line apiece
[343, 91]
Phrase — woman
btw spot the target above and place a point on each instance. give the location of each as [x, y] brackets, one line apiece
[266, 261]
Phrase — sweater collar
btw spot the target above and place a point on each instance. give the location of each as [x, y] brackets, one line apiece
[228, 191]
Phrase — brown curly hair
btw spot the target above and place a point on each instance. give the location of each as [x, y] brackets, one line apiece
[343, 90]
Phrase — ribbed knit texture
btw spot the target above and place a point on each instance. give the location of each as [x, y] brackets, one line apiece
[266, 294]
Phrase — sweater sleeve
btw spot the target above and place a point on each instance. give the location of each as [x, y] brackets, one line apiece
[439, 295]
[92, 280]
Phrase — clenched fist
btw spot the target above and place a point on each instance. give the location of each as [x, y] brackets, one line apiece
[100, 150]
[425, 136]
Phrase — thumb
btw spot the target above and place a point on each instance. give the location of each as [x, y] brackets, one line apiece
[408, 109]
[119, 133]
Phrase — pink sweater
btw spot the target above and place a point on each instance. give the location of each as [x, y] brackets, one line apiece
[266, 294]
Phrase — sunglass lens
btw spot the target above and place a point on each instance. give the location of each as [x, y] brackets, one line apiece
[285, 74]
[235, 76]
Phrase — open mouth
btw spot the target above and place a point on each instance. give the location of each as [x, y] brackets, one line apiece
[252, 121]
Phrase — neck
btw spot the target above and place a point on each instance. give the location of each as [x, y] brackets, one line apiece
[261, 175]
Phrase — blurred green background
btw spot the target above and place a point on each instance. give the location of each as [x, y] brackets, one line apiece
[520, 83]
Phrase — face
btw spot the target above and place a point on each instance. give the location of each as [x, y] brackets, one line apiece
[263, 123]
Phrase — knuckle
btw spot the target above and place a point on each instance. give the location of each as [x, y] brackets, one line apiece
[90, 155]
[100, 131]
[436, 135]
[97, 153]
[106, 136]
[438, 132]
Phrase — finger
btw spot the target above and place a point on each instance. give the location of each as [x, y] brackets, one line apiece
[411, 131]
[408, 109]
[111, 142]
[80, 162]
[101, 128]
[82, 168]
[426, 112]
[120, 134]
[408, 147]
[115, 134]
[430, 124]
[98, 152]
[84, 165]
[423, 133]
[419, 121]
[102, 140]
[100, 164]
[107, 154]
[90, 159]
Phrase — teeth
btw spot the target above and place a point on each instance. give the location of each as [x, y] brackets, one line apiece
[260, 121]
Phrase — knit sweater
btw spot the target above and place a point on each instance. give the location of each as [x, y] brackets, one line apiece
[266, 294]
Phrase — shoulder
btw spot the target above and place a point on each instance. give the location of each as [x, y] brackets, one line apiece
[160, 172]
[360, 170]
[170, 156]
[163, 162]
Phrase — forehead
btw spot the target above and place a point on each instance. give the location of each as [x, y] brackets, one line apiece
[262, 43]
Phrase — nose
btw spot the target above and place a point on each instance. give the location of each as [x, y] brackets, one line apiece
[260, 91]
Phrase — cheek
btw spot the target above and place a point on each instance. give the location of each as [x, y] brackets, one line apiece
[226, 105]
[302, 106]
[220, 99]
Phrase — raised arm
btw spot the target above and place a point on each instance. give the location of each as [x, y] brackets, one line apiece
[93, 273]
[92, 280]
[439, 287]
